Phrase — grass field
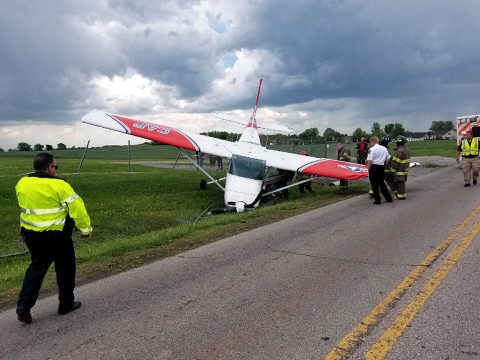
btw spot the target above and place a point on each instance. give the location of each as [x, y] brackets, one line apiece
[146, 214]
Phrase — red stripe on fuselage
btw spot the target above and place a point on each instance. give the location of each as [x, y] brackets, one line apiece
[159, 133]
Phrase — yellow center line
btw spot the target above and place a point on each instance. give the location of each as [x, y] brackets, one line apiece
[389, 338]
[352, 340]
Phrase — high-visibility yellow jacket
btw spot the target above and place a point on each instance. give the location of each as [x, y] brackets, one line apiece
[470, 149]
[46, 201]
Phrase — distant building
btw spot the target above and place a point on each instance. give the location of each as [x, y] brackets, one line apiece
[449, 135]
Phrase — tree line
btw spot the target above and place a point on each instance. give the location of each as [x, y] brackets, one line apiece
[312, 135]
[23, 146]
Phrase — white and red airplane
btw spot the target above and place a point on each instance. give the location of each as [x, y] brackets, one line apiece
[249, 160]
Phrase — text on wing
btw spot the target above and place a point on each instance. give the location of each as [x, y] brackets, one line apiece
[150, 127]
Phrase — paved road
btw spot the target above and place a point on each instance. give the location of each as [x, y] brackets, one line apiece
[290, 290]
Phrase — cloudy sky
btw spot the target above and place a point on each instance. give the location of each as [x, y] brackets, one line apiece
[325, 63]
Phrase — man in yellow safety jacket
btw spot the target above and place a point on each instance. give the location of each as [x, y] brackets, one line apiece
[50, 209]
[469, 150]
[400, 164]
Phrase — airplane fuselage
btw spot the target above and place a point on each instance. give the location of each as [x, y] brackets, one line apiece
[243, 185]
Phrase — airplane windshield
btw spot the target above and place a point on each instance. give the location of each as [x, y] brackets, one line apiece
[247, 167]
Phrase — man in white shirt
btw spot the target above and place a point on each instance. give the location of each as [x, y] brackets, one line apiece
[377, 156]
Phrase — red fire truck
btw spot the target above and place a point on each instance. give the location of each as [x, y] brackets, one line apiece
[468, 122]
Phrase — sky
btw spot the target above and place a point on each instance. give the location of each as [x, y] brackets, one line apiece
[342, 64]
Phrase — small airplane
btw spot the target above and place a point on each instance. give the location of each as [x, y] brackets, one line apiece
[249, 160]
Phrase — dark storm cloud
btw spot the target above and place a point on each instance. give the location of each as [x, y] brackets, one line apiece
[370, 49]
[399, 58]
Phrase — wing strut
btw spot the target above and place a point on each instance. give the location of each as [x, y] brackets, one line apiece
[215, 181]
[288, 186]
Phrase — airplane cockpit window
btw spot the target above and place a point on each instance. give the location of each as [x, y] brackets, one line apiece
[247, 167]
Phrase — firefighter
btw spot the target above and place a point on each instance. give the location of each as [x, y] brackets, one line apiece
[468, 148]
[343, 154]
[300, 177]
[50, 209]
[400, 164]
[389, 172]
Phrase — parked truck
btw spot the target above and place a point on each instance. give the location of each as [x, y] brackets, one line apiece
[465, 123]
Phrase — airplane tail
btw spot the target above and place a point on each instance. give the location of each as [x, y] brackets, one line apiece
[250, 133]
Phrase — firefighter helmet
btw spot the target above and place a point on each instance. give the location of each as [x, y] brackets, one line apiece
[385, 140]
[400, 139]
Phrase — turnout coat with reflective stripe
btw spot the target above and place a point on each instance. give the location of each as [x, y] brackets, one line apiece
[401, 161]
[45, 202]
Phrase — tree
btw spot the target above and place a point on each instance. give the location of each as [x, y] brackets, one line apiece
[358, 134]
[331, 135]
[23, 146]
[397, 130]
[309, 134]
[1, 150]
[61, 146]
[48, 147]
[389, 128]
[441, 127]
[218, 134]
[377, 130]
[38, 147]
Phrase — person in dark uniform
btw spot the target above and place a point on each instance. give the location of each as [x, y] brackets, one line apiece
[389, 172]
[376, 159]
[50, 209]
[300, 177]
[400, 164]
[343, 154]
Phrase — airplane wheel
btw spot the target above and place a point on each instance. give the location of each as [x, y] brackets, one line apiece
[203, 184]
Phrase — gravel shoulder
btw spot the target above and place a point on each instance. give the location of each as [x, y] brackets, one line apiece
[429, 164]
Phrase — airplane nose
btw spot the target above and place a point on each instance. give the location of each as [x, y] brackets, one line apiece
[240, 206]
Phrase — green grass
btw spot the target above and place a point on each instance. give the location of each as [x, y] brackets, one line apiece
[144, 215]
[137, 152]
[445, 148]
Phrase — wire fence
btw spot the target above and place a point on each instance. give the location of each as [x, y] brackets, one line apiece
[14, 247]
[321, 150]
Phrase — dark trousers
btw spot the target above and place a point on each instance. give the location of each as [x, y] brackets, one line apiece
[46, 247]
[376, 175]
[306, 185]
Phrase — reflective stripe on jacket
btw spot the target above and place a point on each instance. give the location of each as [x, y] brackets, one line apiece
[470, 149]
[46, 201]
[401, 161]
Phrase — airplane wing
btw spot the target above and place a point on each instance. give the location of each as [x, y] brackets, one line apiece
[191, 141]
[160, 133]
[316, 166]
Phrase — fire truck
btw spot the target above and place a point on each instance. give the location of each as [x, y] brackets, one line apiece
[468, 122]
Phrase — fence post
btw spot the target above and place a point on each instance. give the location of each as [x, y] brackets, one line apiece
[83, 157]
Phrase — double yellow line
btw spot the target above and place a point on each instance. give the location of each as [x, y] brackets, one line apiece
[389, 338]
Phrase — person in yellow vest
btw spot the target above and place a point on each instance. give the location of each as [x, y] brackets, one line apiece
[400, 163]
[469, 150]
[50, 209]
